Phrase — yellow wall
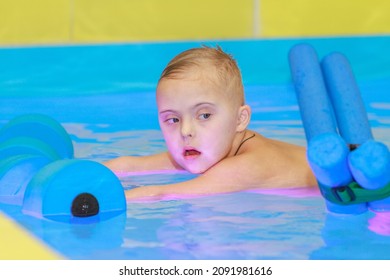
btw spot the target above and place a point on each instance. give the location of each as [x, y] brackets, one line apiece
[116, 20]
[34, 21]
[92, 21]
[324, 17]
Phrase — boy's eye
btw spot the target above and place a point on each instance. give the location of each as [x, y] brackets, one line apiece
[172, 120]
[204, 116]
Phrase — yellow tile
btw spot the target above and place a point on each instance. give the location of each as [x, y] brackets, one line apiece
[17, 244]
[323, 17]
[34, 21]
[126, 20]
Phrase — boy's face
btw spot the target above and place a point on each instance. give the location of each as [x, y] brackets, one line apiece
[198, 122]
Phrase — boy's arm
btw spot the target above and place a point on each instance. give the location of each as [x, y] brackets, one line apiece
[156, 162]
[233, 174]
[230, 175]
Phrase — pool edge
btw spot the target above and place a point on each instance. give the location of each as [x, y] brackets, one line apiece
[20, 244]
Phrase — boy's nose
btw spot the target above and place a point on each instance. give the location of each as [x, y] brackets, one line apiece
[187, 130]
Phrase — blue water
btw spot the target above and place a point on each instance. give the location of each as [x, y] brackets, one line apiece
[104, 97]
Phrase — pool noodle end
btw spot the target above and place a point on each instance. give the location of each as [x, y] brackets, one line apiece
[370, 165]
[52, 191]
[328, 157]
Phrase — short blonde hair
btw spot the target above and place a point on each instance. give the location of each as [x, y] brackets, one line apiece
[227, 72]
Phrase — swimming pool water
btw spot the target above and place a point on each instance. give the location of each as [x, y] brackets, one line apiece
[103, 95]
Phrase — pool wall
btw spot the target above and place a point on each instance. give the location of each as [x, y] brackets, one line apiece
[18, 243]
[35, 80]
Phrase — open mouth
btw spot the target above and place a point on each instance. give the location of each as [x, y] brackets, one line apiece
[191, 153]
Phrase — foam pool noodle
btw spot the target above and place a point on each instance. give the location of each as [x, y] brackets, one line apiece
[28, 143]
[315, 108]
[345, 96]
[42, 128]
[327, 154]
[327, 151]
[15, 174]
[74, 190]
[371, 168]
[29, 146]
[370, 162]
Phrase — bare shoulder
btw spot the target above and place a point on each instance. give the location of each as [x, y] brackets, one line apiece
[271, 163]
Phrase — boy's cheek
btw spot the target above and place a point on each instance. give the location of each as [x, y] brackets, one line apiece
[167, 134]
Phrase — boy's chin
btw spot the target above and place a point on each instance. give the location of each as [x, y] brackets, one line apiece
[196, 169]
[198, 172]
[194, 166]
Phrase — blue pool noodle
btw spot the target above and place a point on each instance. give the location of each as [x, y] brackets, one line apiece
[327, 154]
[345, 96]
[315, 107]
[330, 169]
[27, 145]
[317, 117]
[15, 174]
[51, 192]
[370, 163]
[40, 127]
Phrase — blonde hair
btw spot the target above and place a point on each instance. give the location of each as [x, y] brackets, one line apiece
[227, 73]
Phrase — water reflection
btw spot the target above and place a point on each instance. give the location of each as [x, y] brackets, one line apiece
[380, 223]
[355, 237]
[241, 226]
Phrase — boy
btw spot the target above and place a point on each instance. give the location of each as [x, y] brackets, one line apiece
[204, 119]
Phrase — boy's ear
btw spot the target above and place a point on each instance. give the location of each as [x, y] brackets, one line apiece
[244, 117]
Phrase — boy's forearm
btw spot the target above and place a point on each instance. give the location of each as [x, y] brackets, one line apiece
[143, 193]
[199, 186]
[155, 162]
[160, 192]
[117, 164]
